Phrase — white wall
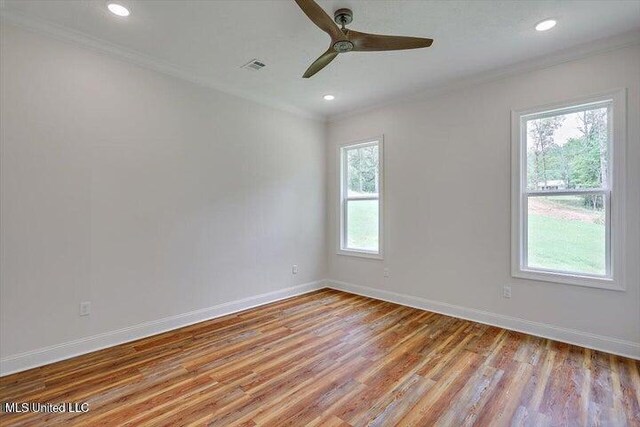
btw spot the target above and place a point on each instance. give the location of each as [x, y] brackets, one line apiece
[146, 195]
[152, 197]
[447, 161]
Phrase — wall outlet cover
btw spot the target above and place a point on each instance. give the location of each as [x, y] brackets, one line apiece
[506, 291]
[85, 308]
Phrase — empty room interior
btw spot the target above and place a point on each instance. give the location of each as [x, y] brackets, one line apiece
[320, 213]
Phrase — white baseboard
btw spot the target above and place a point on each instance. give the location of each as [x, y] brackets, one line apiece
[43, 356]
[584, 339]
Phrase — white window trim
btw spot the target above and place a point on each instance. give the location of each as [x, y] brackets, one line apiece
[615, 215]
[341, 249]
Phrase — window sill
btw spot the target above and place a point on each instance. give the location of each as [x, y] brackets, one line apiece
[569, 279]
[359, 254]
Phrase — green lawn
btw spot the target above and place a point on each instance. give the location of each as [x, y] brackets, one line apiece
[563, 244]
[554, 243]
[363, 225]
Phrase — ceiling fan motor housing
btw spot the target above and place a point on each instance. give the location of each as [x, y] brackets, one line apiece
[343, 46]
[343, 17]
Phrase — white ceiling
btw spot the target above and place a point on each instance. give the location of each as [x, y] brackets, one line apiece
[208, 41]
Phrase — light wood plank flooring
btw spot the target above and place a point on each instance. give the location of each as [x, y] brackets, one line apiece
[334, 359]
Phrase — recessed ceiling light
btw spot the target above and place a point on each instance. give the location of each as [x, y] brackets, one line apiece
[329, 97]
[545, 25]
[118, 9]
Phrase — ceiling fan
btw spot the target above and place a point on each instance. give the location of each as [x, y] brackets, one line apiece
[344, 40]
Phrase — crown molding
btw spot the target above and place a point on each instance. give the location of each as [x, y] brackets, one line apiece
[131, 56]
[574, 53]
[137, 58]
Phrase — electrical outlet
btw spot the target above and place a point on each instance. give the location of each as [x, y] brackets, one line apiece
[386, 272]
[506, 291]
[85, 308]
[294, 269]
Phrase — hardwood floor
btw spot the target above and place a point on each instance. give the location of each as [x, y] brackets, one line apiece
[335, 359]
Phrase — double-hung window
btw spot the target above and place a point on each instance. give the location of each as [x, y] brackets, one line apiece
[567, 178]
[361, 199]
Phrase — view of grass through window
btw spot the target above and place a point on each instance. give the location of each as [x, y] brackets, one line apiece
[566, 236]
[362, 232]
[567, 154]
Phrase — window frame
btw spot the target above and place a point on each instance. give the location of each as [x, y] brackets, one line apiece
[342, 248]
[613, 195]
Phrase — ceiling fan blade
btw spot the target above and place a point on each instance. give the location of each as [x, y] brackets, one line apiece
[319, 17]
[373, 42]
[320, 63]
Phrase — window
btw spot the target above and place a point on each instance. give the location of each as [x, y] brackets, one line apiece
[567, 178]
[361, 199]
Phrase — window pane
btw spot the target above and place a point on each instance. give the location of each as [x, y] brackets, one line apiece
[567, 233]
[362, 171]
[362, 225]
[568, 151]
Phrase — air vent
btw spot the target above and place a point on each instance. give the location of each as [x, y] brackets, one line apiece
[254, 65]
